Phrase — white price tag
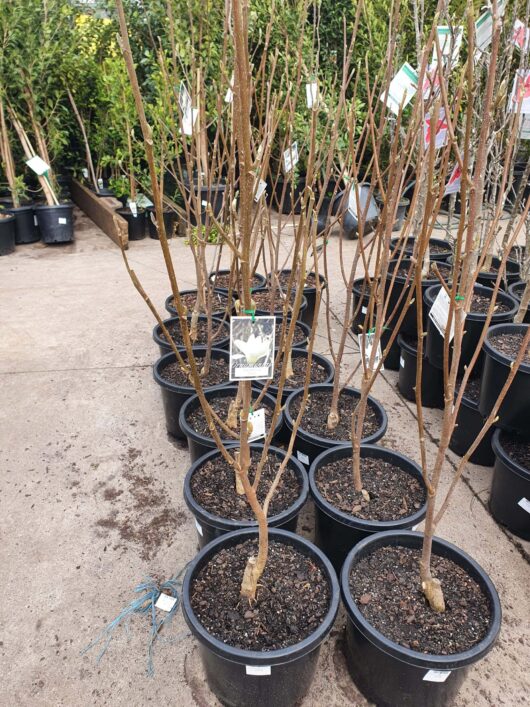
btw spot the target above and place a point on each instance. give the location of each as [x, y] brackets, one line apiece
[189, 114]
[100, 183]
[520, 97]
[165, 602]
[402, 88]
[525, 504]
[437, 675]
[229, 96]
[261, 188]
[290, 157]
[446, 40]
[38, 165]
[368, 346]
[184, 98]
[62, 220]
[302, 458]
[311, 94]
[258, 669]
[364, 310]
[257, 420]
[85, 172]
[198, 526]
[439, 313]
[441, 132]
[204, 203]
[134, 208]
[401, 362]
[520, 36]
[35, 221]
[455, 181]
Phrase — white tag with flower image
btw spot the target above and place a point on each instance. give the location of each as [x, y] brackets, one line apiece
[252, 347]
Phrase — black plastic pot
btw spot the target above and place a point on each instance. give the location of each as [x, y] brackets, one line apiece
[512, 274]
[219, 306]
[56, 223]
[213, 196]
[474, 325]
[309, 446]
[135, 224]
[391, 675]
[7, 234]
[278, 678]
[199, 444]
[261, 281]
[514, 412]
[164, 347]
[292, 197]
[170, 220]
[516, 290]
[174, 396]
[349, 223]
[26, 228]
[310, 293]
[301, 329]
[401, 211]
[278, 312]
[469, 423]
[209, 526]
[298, 353]
[510, 491]
[337, 532]
[406, 246]
[432, 391]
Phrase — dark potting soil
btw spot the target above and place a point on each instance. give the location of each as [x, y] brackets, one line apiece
[213, 487]
[220, 406]
[310, 281]
[509, 345]
[219, 331]
[219, 302]
[433, 248]
[318, 373]
[443, 269]
[386, 587]
[394, 493]
[517, 449]
[225, 279]
[263, 300]
[519, 289]
[218, 372]
[300, 335]
[472, 391]
[316, 414]
[291, 602]
[480, 304]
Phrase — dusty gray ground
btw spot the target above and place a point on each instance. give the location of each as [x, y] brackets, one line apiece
[91, 491]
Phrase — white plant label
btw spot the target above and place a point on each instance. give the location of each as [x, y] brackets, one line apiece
[257, 420]
[134, 208]
[520, 36]
[100, 183]
[258, 669]
[204, 203]
[198, 526]
[442, 130]
[352, 200]
[402, 88]
[311, 94]
[85, 172]
[437, 675]
[229, 95]
[484, 29]
[524, 132]
[143, 202]
[455, 181]
[260, 190]
[38, 165]
[302, 458]
[165, 602]
[290, 157]
[189, 114]
[35, 221]
[401, 362]
[368, 346]
[525, 504]
[448, 41]
[62, 220]
[439, 314]
[363, 310]
[520, 97]
[252, 347]
[184, 99]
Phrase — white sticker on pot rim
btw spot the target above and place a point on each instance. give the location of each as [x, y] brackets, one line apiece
[402, 362]
[364, 310]
[437, 675]
[62, 220]
[165, 602]
[35, 220]
[302, 458]
[257, 420]
[198, 526]
[525, 504]
[258, 669]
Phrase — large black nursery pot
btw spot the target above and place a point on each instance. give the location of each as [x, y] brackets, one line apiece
[135, 224]
[401, 211]
[337, 532]
[514, 412]
[309, 446]
[200, 444]
[56, 223]
[26, 225]
[432, 390]
[212, 195]
[516, 290]
[220, 306]
[210, 526]
[298, 353]
[511, 275]
[292, 195]
[279, 312]
[510, 490]
[277, 678]
[474, 325]
[170, 222]
[174, 396]
[443, 250]
[220, 342]
[391, 675]
[310, 293]
[469, 423]
[258, 281]
[7, 234]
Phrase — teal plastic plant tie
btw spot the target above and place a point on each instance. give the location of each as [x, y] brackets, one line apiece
[371, 331]
[459, 298]
[252, 313]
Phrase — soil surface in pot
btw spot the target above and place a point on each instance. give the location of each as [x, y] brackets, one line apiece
[213, 487]
[509, 345]
[472, 391]
[318, 373]
[310, 281]
[480, 304]
[219, 332]
[220, 406]
[517, 449]
[316, 413]
[219, 302]
[442, 268]
[225, 279]
[218, 372]
[393, 492]
[291, 602]
[300, 336]
[435, 248]
[263, 300]
[386, 587]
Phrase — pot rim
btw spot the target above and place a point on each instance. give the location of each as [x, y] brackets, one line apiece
[501, 454]
[172, 310]
[497, 355]
[157, 336]
[307, 288]
[227, 271]
[302, 353]
[170, 357]
[44, 207]
[402, 279]
[479, 316]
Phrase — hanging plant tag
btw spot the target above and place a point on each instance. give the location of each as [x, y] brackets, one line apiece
[302, 458]
[165, 602]
[368, 346]
[437, 675]
[524, 133]
[189, 114]
[525, 504]
[447, 41]
[455, 181]
[229, 96]
[257, 420]
[100, 183]
[258, 669]
[85, 172]
[134, 208]
[439, 314]
[520, 98]
[252, 348]
[143, 202]
[290, 157]
[402, 88]
[431, 82]
[442, 131]
[260, 190]
[311, 93]
[520, 36]
[62, 220]
[484, 29]
[38, 165]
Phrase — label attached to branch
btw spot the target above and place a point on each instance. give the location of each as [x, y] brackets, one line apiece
[165, 602]
[311, 94]
[134, 208]
[437, 675]
[439, 314]
[257, 420]
[442, 131]
[100, 183]
[290, 157]
[261, 188]
[85, 172]
[455, 181]
[252, 347]
[199, 527]
[368, 346]
[189, 114]
[520, 36]
[402, 88]
[258, 669]
[302, 458]
[364, 310]
[525, 504]
[143, 201]
[450, 43]
[229, 95]
[484, 29]
[520, 97]
[38, 165]
[62, 220]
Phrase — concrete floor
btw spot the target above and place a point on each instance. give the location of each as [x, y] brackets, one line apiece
[91, 492]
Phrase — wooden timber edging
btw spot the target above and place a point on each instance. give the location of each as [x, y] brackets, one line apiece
[102, 210]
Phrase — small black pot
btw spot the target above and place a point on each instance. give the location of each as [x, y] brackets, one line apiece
[219, 306]
[298, 353]
[474, 325]
[56, 223]
[26, 227]
[135, 224]
[516, 290]
[432, 390]
[199, 444]
[309, 446]
[292, 198]
[310, 293]
[170, 222]
[278, 678]
[174, 396]
[260, 281]
[512, 274]
[7, 234]
[514, 412]
[406, 246]
[209, 526]
[469, 423]
[337, 532]
[393, 676]
[164, 347]
[510, 491]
